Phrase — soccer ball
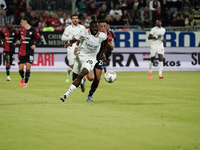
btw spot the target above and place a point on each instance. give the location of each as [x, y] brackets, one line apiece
[110, 76]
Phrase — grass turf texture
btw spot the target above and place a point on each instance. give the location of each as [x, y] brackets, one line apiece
[133, 113]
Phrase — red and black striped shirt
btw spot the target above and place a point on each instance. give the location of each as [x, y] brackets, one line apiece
[27, 38]
[9, 37]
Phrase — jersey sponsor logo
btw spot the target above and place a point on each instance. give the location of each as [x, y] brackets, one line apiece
[91, 47]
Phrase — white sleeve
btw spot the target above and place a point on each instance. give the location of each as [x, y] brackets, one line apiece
[80, 35]
[152, 31]
[103, 36]
[66, 35]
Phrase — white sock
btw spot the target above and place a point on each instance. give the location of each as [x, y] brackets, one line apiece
[160, 67]
[150, 66]
[69, 72]
[70, 90]
[82, 81]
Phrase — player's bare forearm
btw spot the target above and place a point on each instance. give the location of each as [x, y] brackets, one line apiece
[164, 40]
[110, 45]
[33, 47]
[151, 37]
[104, 46]
[18, 42]
[67, 45]
[72, 41]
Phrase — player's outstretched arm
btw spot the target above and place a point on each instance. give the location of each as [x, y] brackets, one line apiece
[151, 37]
[104, 45]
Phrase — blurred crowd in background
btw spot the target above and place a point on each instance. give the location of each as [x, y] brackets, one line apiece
[142, 13]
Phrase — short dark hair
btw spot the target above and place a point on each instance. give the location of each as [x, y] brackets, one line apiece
[74, 15]
[93, 22]
[47, 23]
[27, 19]
[102, 21]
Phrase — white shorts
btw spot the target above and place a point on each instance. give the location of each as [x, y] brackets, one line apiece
[85, 63]
[70, 54]
[155, 51]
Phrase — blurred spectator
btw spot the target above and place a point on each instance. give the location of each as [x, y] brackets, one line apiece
[103, 13]
[195, 4]
[2, 15]
[3, 3]
[142, 5]
[116, 11]
[179, 21]
[123, 4]
[126, 18]
[168, 19]
[189, 21]
[118, 20]
[146, 17]
[41, 23]
[109, 19]
[157, 15]
[93, 11]
[82, 7]
[18, 20]
[11, 12]
[90, 2]
[175, 14]
[186, 6]
[153, 4]
[29, 9]
[54, 20]
[87, 21]
[60, 13]
[22, 6]
[47, 27]
[174, 5]
[34, 20]
[65, 20]
[164, 5]
[136, 15]
[47, 16]
[111, 4]
[135, 2]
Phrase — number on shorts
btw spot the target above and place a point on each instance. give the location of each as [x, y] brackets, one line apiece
[100, 62]
[89, 61]
[31, 58]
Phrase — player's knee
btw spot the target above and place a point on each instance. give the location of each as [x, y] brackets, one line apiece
[98, 78]
[90, 78]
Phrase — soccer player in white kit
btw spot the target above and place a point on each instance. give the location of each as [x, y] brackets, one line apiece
[69, 32]
[89, 46]
[156, 34]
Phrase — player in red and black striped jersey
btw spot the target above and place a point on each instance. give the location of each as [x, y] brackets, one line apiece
[8, 39]
[26, 38]
[108, 51]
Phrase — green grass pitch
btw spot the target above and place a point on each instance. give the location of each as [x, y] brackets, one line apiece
[134, 113]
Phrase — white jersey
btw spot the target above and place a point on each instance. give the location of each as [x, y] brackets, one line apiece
[70, 31]
[89, 44]
[156, 31]
[68, 34]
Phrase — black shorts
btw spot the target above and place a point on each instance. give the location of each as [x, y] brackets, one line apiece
[108, 55]
[99, 64]
[26, 59]
[11, 54]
